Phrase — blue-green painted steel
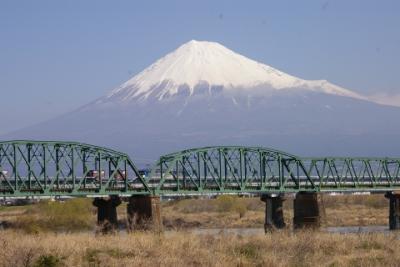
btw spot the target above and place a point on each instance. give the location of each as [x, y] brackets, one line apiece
[49, 168]
[43, 168]
[232, 169]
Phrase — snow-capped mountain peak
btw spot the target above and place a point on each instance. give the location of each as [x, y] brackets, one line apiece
[204, 94]
[213, 65]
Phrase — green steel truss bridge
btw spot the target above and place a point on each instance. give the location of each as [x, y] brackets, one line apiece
[41, 168]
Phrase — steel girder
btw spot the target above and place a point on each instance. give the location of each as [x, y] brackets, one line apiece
[232, 169]
[43, 168]
[47, 168]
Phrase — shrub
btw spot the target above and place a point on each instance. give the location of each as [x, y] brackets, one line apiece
[225, 203]
[72, 215]
[48, 261]
[249, 249]
[240, 207]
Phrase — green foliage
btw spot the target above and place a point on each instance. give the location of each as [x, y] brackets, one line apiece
[48, 261]
[72, 215]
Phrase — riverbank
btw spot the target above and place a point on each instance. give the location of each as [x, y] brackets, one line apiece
[62, 234]
[182, 248]
[222, 212]
[342, 210]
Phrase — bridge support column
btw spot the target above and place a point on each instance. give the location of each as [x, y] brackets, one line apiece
[306, 210]
[144, 213]
[394, 210]
[107, 219]
[273, 212]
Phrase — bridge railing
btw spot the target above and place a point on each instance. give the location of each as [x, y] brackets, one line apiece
[29, 168]
[353, 173]
[66, 168]
[244, 169]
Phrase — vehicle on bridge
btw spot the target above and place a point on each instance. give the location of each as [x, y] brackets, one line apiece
[68, 168]
[45, 168]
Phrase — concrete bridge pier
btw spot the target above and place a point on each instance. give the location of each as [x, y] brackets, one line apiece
[273, 212]
[306, 210]
[107, 219]
[144, 213]
[394, 210]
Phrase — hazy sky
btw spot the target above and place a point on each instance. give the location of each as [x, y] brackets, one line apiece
[58, 55]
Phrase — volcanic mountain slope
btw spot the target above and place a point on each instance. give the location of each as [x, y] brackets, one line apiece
[205, 94]
[201, 67]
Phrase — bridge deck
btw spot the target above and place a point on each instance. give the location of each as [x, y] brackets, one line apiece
[37, 168]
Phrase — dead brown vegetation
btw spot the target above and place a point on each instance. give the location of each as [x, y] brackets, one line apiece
[222, 212]
[186, 249]
[340, 210]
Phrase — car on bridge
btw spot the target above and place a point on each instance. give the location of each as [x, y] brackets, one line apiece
[144, 172]
[119, 174]
[95, 174]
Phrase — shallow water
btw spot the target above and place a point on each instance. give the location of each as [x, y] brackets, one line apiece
[239, 231]
[258, 231]
[357, 229]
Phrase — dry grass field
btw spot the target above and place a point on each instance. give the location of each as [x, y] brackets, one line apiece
[223, 212]
[345, 210]
[185, 249]
[62, 234]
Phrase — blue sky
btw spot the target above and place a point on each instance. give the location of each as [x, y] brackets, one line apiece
[58, 55]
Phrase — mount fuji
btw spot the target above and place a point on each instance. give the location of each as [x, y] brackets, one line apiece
[204, 94]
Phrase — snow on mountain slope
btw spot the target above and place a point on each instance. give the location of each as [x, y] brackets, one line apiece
[198, 62]
[204, 94]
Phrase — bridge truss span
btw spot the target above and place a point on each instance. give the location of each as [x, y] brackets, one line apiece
[49, 168]
[44, 168]
[260, 170]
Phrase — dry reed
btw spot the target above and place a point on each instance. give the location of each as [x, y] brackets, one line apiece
[187, 249]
